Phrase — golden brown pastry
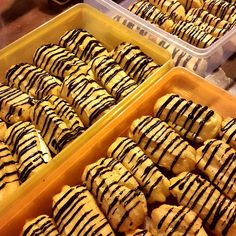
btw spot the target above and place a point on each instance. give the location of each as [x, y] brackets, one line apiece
[217, 160]
[175, 220]
[134, 62]
[124, 208]
[110, 75]
[149, 12]
[14, 105]
[3, 129]
[153, 183]
[76, 213]
[9, 180]
[192, 121]
[139, 232]
[191, 4]
[162, 144]
[28, 149]
[42, 225]
[89, 100]
[218, 213]
[33, 81]
[82, 44]
[228, 131]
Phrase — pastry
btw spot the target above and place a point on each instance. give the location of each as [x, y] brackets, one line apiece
[66, 113]
[220, 8]
[3, 129]
[33, 81]
[162, 144]
[192, 121]
[9, 181]
[111, 76]
[218, 213]
[134, 62]
[53, 129]
[193, 4]
[82, 44]
[228, 131]
[139, 232]
[59, 62]
[172, 8]
[149, 12]
[217, 160]
[175, 220]
[14, 105]
[27, 147]
[193, 34]
[152, 182]
[124, 208]
[42, 225]
[89, 100]
[76, 213]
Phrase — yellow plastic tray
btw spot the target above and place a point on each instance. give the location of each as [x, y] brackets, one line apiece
[110, 33]
[38, 200]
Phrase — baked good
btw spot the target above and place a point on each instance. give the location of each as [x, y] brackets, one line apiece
[172, 8]
[134, 62]
[27, 147]
[110, 75]
[59, 62]
[42, 225]
[3, 129]
[152, 182]
[192, 121]
[76, 213]
[139, 232]
[14, 104]
[82, 44]
[218, 213]
[191, 4]
[89, 100]
[33, 81]
[228, 131]
[66, 113]
[175, 220]
[149, 12]
[9, 180]
[162, 144]
[53, 129]
[217, 160]
[124, 208]
[192, 34]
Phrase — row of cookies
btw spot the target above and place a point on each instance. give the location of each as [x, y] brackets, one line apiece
[48, 104]
[133, 169]
[197, 23]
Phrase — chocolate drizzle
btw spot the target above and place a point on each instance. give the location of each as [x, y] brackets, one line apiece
[228, 132]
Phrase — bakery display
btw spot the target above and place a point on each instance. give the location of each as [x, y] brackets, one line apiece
[14, 105]
[152, 182]
[192, 121]
[162, 144]
[175, 220]
[217, 212]
[228, 131]
[84, 45]
[134, 62]
[76, 213]
[28, 149]
[42, 225]
[33, 81]
[111, 76]
[217, 160]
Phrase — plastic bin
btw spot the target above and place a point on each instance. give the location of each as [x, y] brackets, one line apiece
[105, 30]
[38, 197]
[202, 61]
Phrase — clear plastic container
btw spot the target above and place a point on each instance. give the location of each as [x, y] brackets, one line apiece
[202, 61]
[36, 199]
[105, 30]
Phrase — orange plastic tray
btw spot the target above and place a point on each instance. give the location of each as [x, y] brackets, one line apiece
[38, 199]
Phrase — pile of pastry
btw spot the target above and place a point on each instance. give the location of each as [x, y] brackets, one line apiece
[46, 105]
[174, 174]
[198, 22]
